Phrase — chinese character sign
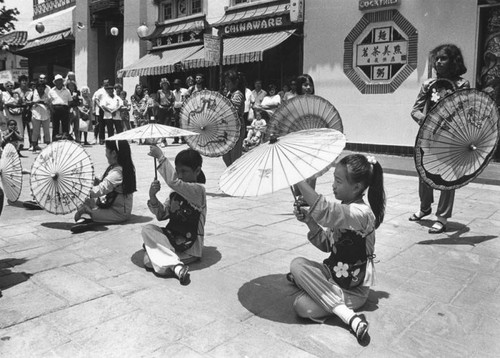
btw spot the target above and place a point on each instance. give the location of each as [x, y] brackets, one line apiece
[382, 53]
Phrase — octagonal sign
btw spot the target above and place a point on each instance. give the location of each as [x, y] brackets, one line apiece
[380, 52]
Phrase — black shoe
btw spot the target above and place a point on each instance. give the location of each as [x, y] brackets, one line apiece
[184, 277]
[32, 205]
[289, 278]
[414, 217]
[437, 228]
[361, 331]
[82, 225]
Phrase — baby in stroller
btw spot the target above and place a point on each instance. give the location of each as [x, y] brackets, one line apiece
[256, 130]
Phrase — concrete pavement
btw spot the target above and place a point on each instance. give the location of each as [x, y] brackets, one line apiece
[87, 295]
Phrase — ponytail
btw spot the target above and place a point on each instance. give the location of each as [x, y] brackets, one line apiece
[376, 194]
[368, 172]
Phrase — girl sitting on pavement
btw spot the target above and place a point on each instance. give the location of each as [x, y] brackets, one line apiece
[111, 198]
[341, 284]
[181, 241]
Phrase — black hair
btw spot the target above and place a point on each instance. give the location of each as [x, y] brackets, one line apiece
[192, 159]
[11, 121]
[303, 79]
[124, 159]
[238, 78]
[371, 176]
[457, 66]
[22, 78]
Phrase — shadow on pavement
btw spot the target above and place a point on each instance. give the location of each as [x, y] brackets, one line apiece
[215, 195]
[210, 257]
[9, 278]
[138, 219]
[65, 225]
[457, 240]
[271, 297]
[373, 300]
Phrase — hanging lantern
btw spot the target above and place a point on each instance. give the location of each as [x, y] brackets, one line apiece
[142, 30]
[36, 42]
[39, 27]
[114, 31]
[5, 47]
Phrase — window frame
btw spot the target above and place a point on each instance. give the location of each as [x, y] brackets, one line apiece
[175, 9]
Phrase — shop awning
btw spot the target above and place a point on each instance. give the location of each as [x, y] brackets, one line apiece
[241, 49]
[47, 40]
[158, 62]
[14, 38]
[174, 29]
[254, 14]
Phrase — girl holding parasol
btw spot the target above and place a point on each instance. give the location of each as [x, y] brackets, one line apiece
[111, 199]
[447, 61]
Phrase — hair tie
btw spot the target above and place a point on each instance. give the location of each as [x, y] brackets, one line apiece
[371, 159]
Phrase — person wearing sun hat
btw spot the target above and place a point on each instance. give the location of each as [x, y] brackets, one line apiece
[59, 98]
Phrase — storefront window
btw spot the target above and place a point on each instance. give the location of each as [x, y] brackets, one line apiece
[238, 2]
[173, 9]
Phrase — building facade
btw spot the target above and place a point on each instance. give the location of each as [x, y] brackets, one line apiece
[370, 58]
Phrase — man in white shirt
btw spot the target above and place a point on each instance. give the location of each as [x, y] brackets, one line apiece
[181, 95]
[59, 98]
[258, 94]
[96, 105]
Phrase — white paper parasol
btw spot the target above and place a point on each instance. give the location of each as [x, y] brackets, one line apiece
[11, 172]
[280, 163]
[61, 177]
[215, 119]
[150, 131]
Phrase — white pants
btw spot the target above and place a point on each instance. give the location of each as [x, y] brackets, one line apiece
[159, 250]
[320, 293]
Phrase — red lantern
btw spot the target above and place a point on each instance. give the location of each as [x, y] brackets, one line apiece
[39, 27]
[114, 31]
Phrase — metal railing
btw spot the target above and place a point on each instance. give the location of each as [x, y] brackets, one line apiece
[41, 9]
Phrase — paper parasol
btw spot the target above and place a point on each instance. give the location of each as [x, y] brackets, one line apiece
[150, 131]
[457, 139]
[11, 172]
[304, 112]
[283, 162]
[215, 119]
[61, 177]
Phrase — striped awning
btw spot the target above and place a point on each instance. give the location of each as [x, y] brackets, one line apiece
[158, 62]
[14, 38]
[241, 49]
[254, 14]
[174, 29]
[47, 40]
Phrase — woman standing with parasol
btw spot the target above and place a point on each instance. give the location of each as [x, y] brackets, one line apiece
[235, 83]
[449, 65]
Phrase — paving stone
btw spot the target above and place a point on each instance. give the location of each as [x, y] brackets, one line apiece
[30, 339]
[28, 305]
[69, 285]
[451, 323]
[135, 335]
[208, 337]
[89, 314]
[176, 350]
[49, 260]
[422, 345]
[92, 270]
[129, 282]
